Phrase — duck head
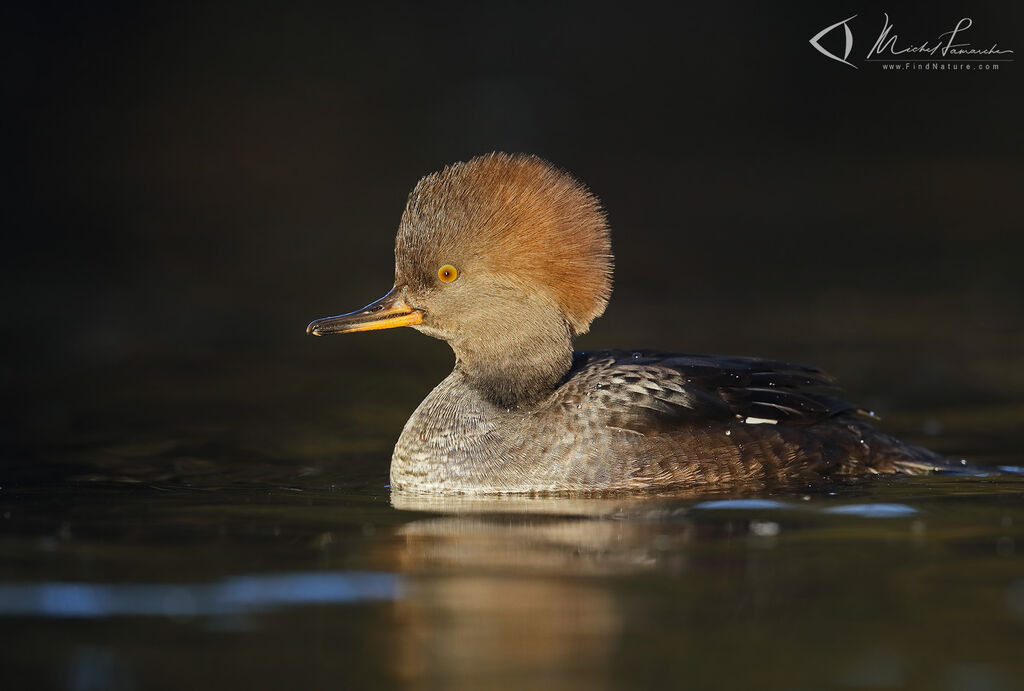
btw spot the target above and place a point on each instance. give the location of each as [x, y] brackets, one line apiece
[506, 258]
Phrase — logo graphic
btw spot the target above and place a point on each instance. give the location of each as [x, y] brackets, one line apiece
[849, 42]
[949, 50]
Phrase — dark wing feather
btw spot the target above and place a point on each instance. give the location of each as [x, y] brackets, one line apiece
[649, 391]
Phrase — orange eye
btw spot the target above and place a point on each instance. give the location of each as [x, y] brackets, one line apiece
[447, 273]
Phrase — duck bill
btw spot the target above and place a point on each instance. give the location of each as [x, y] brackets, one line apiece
[387, 313]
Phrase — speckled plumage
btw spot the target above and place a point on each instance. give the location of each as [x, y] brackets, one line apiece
[523, 413]
[631, 420]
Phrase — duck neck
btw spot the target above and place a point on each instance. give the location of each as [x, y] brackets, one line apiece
[518, 368]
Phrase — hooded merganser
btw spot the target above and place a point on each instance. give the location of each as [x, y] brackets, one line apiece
[507, 258]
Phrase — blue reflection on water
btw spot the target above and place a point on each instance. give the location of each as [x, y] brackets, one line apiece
[232, 596]
[873, 510]
[865, 510]
[741, 504]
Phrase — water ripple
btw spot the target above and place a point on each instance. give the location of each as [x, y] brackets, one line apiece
[233, 596]
[741, 504]
[878, 510]
[873, 510]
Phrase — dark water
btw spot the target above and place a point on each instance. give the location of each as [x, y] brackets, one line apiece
[208, 528]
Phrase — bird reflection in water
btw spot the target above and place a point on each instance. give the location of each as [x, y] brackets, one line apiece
[496, 587]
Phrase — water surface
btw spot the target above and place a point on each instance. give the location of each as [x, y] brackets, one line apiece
[211, 557]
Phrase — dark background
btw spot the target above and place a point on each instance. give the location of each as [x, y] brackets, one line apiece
[191, 184]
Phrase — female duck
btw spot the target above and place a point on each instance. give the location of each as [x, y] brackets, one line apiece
[507, 258]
